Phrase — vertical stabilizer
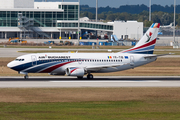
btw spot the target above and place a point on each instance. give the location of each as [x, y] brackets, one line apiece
[147, 43]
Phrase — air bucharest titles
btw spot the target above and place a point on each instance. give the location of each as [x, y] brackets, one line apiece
[80, 64]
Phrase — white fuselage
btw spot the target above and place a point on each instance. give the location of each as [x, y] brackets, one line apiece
[57, 63]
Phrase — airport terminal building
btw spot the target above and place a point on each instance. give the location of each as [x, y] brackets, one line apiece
[55, 20]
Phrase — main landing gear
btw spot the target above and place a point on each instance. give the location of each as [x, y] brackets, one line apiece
[26, 77]
[89, 76]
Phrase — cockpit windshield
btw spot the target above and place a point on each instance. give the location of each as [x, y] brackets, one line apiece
[19, 59]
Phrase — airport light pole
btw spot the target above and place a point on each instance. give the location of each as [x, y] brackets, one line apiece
[60, 34]
[78, 20]
[96, 10]
[96, 15]
[149, 10]
[174, 23]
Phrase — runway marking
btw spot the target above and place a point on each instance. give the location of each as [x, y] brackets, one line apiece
[108, 81]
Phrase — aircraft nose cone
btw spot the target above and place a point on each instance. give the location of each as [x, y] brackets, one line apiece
[9, 65]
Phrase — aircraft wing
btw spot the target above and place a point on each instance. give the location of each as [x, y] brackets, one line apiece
[96, 68]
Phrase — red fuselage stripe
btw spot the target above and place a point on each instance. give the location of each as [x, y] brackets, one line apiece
[48, 70]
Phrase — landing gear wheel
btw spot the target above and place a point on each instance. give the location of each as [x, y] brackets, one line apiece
[80, 77]
[26, 77]
[89, 76]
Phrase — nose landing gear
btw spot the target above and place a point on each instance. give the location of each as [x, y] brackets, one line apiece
[24, 73]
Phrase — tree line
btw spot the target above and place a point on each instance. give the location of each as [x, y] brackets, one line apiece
[162, 16]
[133, 9]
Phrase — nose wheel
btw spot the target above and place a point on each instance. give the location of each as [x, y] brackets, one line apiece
[89, 76]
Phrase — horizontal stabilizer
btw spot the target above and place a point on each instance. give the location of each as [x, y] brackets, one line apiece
[151, 56]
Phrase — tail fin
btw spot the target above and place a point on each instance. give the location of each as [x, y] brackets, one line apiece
[147, 43]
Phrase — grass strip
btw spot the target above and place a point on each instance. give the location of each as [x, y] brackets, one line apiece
[90, 103]
[120, 110]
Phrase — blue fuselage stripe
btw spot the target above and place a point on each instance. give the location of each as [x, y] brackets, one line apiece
[40, 65]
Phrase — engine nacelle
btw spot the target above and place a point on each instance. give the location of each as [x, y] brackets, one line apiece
[75, 71]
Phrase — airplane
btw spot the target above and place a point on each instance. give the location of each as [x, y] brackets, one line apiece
[80, 64]
[167, 26]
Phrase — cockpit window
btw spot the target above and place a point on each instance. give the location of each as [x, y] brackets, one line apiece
[19, 59]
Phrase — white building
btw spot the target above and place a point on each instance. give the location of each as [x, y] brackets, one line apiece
[29, 19]
[129, 29]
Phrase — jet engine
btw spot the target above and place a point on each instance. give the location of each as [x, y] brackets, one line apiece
[75, 71]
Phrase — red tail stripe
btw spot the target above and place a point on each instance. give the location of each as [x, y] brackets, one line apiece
[48, 70]
[158, 25]
[145, 45]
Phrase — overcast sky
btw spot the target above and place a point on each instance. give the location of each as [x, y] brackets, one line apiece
[117, 3]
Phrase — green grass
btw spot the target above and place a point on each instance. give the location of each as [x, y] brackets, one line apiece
[90, 103]
[120, 110]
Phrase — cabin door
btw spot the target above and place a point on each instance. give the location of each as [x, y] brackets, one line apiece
[34, 60]
[132, 60]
